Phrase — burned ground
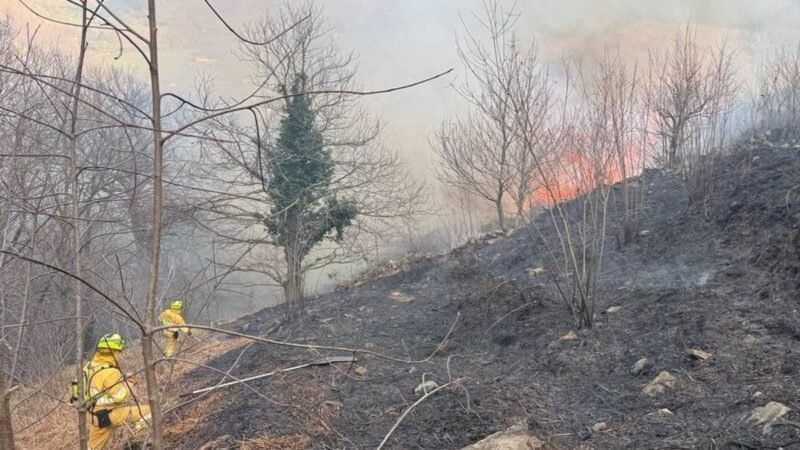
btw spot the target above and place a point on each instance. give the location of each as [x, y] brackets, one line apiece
[721, 277]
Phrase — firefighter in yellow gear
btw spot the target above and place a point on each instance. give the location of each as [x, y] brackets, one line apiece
[107, 396]
[169, 317]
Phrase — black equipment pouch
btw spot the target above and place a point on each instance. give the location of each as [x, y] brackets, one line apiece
[175, 335]
[73, 396]
[103, 418]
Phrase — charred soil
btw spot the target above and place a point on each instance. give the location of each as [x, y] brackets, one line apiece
[721, 277]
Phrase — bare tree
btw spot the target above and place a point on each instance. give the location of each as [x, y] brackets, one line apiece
[477, 153]
[575, 171]
[72, 140]
[708, 135]
[624, 115]
[684, 91]
[291, 225]
[777, 103]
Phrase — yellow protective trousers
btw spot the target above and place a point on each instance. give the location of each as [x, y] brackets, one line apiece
[137, 416]
[170, 344]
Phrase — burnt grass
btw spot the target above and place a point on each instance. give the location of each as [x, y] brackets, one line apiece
[721, 277]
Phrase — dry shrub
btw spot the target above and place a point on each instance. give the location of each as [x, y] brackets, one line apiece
[56, 431]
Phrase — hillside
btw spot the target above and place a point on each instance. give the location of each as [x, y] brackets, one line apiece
[723, 278]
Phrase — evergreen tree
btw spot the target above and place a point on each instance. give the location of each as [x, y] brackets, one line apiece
[304, 210]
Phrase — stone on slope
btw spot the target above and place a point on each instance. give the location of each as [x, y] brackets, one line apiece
[400, 297]
[767, 415]
[664, 412]
[517, 437]
[534, 271]
[571, 336]
[424, 388]
[660, 384]
[698, 354]
[641, 367]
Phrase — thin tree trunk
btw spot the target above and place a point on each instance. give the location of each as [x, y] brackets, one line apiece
[25, 300]
[152, 286]
[293, 288]
[76, 234]
[6, 427]
[3, 246]
[501, 219]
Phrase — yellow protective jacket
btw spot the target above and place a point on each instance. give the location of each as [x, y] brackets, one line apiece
[106, 385]
[170, 317]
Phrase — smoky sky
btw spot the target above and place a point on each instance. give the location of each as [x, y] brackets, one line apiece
[399, 41]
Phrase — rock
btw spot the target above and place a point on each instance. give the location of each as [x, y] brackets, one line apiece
[664, 412]
[425, 387]
[644, 233]
[599, 427]
[336, 406]
[767, 415]
[614, 309]
[698, 354]
[758, 394]
[571, 336]
[517, 437]
[641, 367]
[660, 384]
[400, 297]
[534, 271]
[750, 339]
[360, 371]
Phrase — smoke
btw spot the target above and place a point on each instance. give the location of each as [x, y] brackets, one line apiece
[398, 41]
[401, 40]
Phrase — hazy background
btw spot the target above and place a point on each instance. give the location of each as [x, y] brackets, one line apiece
[398, 41]
[401, 41]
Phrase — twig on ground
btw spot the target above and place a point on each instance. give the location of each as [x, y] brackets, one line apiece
[504, 316]
[413, 405]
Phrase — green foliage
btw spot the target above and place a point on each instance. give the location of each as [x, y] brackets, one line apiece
[305, 210]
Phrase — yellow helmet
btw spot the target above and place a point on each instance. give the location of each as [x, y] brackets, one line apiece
[177, 304]
[111, 342]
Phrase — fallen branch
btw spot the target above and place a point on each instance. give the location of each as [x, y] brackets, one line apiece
[441, 345]
[413, 405]
[319, 362]
[221, 372]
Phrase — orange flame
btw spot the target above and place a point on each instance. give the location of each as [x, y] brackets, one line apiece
[575, 174]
